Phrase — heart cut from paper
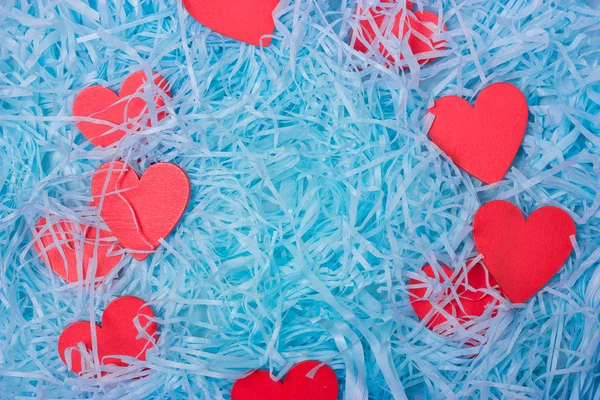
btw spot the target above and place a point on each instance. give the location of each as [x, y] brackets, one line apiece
[482, 140]
[117, 113]
[302, 382]
[65, 247]
[117, 338]
[249, 21]
[140, 211]
[380, 28]
[473, 294]
[522, 255]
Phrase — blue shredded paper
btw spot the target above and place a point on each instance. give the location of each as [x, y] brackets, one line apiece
[316, 197]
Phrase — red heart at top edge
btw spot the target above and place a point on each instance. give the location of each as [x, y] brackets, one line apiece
[140, 211]
[522, 255]
[300, 383]
[128, 107]
[420, 25]
[470, 301]
[482, 140]
[65, 250]
[117, 338]
[244, 20]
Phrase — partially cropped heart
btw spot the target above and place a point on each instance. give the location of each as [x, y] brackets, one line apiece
[308, 380]
[249, 21]
[381, 27]
[522, 255]
[461, 299]
[128, 330]
[482, 140]
[70, 248]
[115, 114]
[140, 212]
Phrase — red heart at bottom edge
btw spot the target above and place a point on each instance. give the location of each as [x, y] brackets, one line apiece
[118, 337]
[299, 384]
[471, 302]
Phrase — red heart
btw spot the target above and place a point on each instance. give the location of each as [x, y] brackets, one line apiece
[299, 384]
[244, 20]
[483, 140]
[421, 26]
[522, 255]
[128, 107]
[470, 289]
[257, 386]
[117, 338]
[140, 212]
[64, 249]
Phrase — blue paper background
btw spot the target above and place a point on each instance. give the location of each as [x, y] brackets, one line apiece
[316, 196]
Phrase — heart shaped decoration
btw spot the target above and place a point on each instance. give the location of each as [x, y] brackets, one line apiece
[482, 140]
[300, 383]
[65, 249]
[118, 113]
[140, 212]
[473, 294]
[522, 255]
[118, 337]
[257, 386]
[386, 26]
[244, 20]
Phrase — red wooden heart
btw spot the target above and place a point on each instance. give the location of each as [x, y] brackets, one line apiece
[300, 383]
[140, 212]
[117, 338]
[244, 20]
[522, 255]
[65, 250]
[421, 26]
[470, 289]
[482, 140]
[120, 112]
[257, 386]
